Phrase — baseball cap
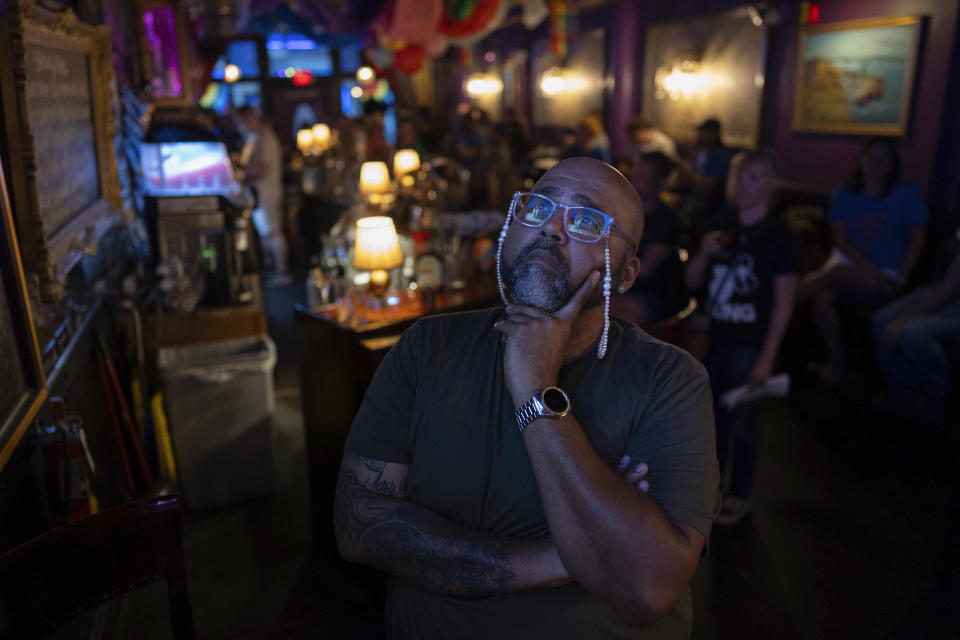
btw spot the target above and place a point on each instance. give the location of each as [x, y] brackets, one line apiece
[710, 124]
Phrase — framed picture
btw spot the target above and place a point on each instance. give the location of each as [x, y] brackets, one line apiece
[22, 388]
[856, 77]
[55, 84]
[162, 35]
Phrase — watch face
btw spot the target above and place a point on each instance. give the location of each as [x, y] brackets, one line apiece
[555, 400]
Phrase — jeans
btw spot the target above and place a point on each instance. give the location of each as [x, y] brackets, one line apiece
[914, 359]
[738, 431]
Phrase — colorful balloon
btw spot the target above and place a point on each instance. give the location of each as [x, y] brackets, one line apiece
[409, 59]
[437, 45]
[484, 12]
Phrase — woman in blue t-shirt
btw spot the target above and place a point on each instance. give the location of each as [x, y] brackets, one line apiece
[879, 227]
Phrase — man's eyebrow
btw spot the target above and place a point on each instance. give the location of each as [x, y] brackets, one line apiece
[577, 198]
[584, 201]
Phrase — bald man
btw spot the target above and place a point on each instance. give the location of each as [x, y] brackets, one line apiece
[494, 469]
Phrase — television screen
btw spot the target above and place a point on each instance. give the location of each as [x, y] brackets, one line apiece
[187, 169]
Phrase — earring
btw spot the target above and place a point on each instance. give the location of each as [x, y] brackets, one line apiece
[622, 289]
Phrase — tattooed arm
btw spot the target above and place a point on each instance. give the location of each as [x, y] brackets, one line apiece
[376, 525]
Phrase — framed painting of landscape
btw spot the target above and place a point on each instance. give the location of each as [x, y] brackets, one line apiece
[856, 77]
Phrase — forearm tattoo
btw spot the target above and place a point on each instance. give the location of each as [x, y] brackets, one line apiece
[411, 541]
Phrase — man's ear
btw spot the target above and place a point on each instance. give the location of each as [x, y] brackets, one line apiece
[631, 267]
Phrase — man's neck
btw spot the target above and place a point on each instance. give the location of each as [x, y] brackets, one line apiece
[584, 334]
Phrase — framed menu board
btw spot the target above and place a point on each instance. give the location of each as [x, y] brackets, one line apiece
[57, 116]
[22, 389]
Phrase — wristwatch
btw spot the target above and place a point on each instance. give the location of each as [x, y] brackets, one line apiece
[550, 402]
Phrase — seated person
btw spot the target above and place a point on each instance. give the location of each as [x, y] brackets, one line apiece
[879, 227]
[409, 138]
[909, 334]
[647, 138]
[707, 170]
[485, 470]
[589, 141]
[750, 264]
[702, 179]
[659, 288]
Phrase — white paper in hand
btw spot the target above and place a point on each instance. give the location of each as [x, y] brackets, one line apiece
[776, 387]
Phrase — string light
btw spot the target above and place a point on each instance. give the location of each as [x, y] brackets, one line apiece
[231, 73]
[365, 75]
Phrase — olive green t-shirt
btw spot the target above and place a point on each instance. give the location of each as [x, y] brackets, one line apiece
[439, 404]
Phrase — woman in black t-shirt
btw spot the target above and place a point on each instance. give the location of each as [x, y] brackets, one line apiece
[750, 265]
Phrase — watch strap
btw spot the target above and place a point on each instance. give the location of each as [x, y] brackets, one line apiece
[530, 411]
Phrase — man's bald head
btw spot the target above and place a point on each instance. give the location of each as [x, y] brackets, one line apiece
[591, 183]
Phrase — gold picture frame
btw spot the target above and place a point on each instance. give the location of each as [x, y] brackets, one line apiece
[22, 384]
[58, 85]
[856, 77]
[151, 58]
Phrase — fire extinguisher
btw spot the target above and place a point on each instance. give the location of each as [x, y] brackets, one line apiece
[68, 467]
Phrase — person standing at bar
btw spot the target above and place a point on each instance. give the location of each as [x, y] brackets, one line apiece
[262, 162]
[492, 468]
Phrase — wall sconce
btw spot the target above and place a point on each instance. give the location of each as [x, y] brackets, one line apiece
[555, 81]
[483, 85]
[231, 73]
[681, 81]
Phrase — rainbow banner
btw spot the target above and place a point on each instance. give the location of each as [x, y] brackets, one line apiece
[562, 26]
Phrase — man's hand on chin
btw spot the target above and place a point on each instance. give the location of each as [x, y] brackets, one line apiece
[536, 342]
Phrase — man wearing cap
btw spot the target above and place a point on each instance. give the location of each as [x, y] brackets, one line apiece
[710, 165]
[491, 470]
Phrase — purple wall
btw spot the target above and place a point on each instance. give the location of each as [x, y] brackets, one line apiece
[625, 52]
[825, 160]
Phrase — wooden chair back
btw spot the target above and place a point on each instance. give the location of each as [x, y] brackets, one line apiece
[48, 581]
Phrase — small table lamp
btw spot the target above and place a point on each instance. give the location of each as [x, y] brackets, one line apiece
[405, 161]
[375, 182]
[305, 141]
[377, 249]
[321, 138]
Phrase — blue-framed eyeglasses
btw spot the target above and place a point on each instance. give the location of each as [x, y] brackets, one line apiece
[580, 223]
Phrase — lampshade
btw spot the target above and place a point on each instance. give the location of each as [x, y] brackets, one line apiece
[377, 245]
[405, 161]
[374, 178]
[304, 140]
[321, 136]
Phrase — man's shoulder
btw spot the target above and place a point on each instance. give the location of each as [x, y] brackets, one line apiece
[655, 357]
[463, 324]
[461, 318]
